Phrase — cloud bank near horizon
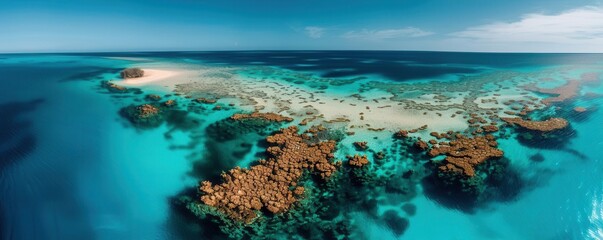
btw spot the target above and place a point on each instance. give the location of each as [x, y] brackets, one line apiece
[579, 30]
[501, 26]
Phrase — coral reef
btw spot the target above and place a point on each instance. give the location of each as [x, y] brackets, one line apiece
[548, 125]
[567, 91]
[420, 144]
[146, 111]
[554, 132]
[153, 97]
[114, 88]
[132, 73]
[238, 125]
[463, 154]
[357, 160]
[205, 100]
[322, 206]
[170, 103]
[268, 185]
[150, 115]
[580, 109]
[490, 128]
[145, 115]
[361, 145]
[266, 116]
[401, 134]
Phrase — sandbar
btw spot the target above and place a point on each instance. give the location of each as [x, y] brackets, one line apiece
[151, 76]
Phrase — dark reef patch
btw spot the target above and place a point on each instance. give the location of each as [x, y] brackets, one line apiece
[115, 88]
[409, 209]
[557, 139]
[397, 224]
[238, 136]
[537, 158]
[215, 160]
[494, 181]
[152, 115]
[230, 129]
[188, 223]
[17, 140]
[90, 73]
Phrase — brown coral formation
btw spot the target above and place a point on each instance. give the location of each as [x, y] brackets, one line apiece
[153, 97]
[404, 133]
[580, 109]
[273, 117]
[205, 100]
[169, 103]
[269, 184]
[421, 145]
[490, 128]
[361, 145]
[401, 134]
[357, 160]
[132, 73]
[543, 126]
[114, 87]
[463, 154]
[147, 110]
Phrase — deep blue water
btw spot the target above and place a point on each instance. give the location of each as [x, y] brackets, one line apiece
[70, 168]
[395, 65]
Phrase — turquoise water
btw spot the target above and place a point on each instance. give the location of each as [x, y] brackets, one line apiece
[72, 168]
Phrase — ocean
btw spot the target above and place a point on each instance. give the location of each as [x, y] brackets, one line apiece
[75, 163]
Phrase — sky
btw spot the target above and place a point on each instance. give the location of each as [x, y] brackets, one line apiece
[207, 25]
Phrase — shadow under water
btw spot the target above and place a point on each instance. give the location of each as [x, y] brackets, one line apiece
[495, 181]
[16, 139]
[91, 73]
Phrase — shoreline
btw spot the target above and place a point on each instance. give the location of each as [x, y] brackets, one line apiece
[151, 76]
[359, 112]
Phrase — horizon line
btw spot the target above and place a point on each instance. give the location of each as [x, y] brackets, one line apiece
[289, 50]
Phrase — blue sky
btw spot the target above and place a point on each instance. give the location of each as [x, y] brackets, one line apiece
[436, 25]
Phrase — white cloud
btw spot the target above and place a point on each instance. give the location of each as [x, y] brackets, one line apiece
[314, 32]
[579, 29]
[408, 32]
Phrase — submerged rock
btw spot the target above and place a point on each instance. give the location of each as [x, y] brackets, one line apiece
[153, 97]
[538, 157]
[169, 103]
[397, 224]
[361, 145]
[114, 88]
[410, 209]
